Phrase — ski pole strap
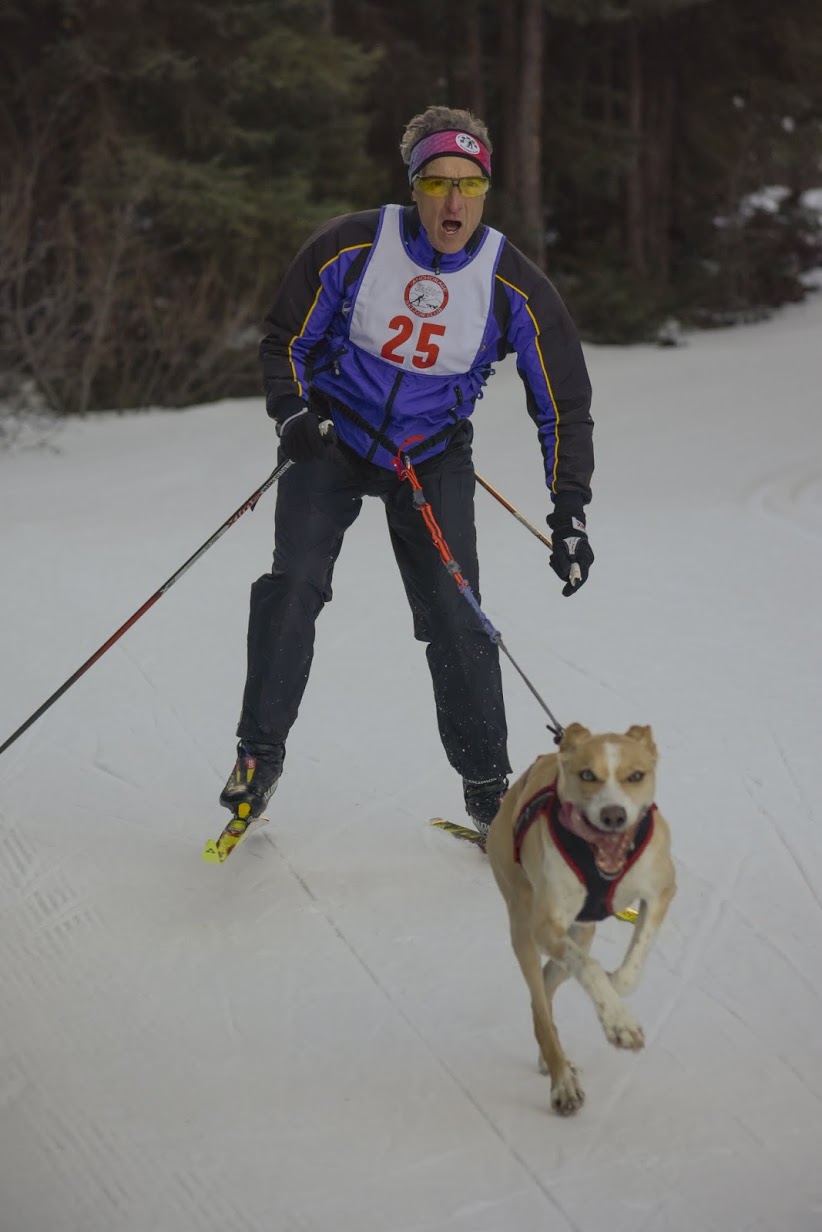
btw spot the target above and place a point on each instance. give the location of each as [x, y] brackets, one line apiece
[405, 470]
[555, 727]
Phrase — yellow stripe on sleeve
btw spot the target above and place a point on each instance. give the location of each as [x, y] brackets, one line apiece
[544, 373]
[304, 326]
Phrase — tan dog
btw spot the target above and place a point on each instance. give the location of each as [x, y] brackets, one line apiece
[577, 838]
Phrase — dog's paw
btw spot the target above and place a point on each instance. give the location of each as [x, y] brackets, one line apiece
[622, 1029]
[623, 982]
[567, 1095]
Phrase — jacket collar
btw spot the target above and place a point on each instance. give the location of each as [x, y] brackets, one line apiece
[421, 251]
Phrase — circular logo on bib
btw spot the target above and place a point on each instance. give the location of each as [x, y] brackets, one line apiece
[466, 142]
[426, 295]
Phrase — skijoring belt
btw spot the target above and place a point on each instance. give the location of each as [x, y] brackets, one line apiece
[359, 421]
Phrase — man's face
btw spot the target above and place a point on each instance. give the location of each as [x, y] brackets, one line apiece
[449, 221]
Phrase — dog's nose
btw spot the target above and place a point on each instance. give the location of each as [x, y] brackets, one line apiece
[613, 817]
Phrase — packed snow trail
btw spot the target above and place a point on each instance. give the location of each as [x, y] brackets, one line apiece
[330, 1030]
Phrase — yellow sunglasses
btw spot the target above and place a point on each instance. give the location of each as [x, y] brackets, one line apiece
[440, 185]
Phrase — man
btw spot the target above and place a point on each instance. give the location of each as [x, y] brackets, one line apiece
[387, 325]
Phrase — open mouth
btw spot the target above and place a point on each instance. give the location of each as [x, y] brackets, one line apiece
[451, 226]
[610, 853]
[609, 847]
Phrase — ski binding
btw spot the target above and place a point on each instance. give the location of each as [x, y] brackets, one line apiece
[217, 851]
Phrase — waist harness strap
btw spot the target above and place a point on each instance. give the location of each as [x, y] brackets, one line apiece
[376, 435]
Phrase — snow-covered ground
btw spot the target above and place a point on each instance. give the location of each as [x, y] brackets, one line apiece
[330, 1032]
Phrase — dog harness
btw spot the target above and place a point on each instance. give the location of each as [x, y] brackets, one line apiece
[580, 854]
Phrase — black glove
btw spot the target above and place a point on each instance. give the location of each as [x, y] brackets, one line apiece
[570, 544]
[302, 437]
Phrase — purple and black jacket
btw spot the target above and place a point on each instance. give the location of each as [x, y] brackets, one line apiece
[383, 393]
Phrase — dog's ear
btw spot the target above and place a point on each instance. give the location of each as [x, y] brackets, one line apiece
[573, 735]
[643, 735]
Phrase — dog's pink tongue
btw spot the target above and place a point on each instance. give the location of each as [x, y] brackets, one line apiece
[609, 849]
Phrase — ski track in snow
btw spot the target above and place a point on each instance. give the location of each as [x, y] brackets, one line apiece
[121, 955]
[453, 1077]
[47, 935]
[779, 831]
[793, 497]
[168, 706]
[794, 781]
[686, 971]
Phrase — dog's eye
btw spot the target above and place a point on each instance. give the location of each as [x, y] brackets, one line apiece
[636, 777]
[587, 776]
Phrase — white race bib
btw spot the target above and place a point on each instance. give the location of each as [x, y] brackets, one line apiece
[418, 321]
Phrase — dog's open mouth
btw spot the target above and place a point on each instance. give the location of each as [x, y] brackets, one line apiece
[610, 849]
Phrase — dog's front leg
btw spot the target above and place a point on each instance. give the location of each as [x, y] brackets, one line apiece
[618, 1023]
[651, 914]
[567, 1094]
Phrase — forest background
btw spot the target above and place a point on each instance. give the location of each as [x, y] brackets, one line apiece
[160, 164]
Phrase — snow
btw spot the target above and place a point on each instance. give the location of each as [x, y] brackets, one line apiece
[330, 1031]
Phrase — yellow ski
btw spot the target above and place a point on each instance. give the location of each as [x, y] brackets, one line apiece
[466, 832]
[217, 851]
[629, 915]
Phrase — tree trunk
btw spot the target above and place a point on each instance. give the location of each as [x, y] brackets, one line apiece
[659, 152]
[474, 75]
[634, 192]
[327, 16]
[508, 16]
[650, 124]
[530, 130]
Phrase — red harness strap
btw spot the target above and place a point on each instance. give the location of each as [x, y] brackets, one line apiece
[543, 803]
[579, 854]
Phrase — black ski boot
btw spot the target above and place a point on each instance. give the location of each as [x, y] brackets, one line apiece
[482, 801]
[254, 778]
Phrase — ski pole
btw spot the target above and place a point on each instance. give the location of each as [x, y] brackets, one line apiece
[175, 577]
[513, 509]
[575, 574]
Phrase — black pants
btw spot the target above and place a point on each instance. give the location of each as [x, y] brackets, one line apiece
[316, 504]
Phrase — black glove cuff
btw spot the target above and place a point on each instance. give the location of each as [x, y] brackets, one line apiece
[567, 505]
[285, 406]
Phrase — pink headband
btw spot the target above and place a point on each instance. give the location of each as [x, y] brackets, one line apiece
[453, 141]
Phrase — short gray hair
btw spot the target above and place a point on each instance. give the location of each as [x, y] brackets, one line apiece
[439, 119]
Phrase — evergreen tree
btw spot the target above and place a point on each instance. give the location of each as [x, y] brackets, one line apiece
[160, 164]
[165, 162]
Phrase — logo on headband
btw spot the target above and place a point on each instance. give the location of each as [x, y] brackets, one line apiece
[426, 295]
[466, 142]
